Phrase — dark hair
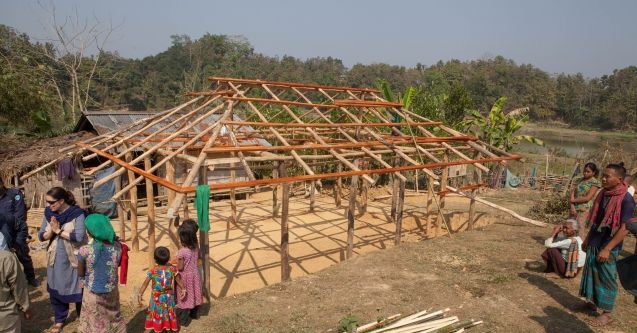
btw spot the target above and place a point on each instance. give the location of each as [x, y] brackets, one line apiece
[58, 193]
[192, 224]
[593, 167]
[619, 168]
[162, 255]
[187, 236]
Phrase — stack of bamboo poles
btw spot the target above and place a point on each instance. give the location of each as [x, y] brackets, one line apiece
[423, 321]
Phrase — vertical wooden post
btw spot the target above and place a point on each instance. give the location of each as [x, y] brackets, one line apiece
[133, 207]
[233, 198]
[477, 179]
[338, 189]
[444, 179]
[364, 196]
[351, 212]
[472, 209]
[150, 204]
[399, 211]
[312, 192]
[275, 190]
[430, 195]
[120, 211]
[394, 192]
[285, 236]
[186, 208]
[170, 176]
[204, 242]
[416, 184]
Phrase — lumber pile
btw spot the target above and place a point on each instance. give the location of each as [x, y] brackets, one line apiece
[423, 321]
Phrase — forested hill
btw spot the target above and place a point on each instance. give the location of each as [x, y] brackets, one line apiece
[43, 89]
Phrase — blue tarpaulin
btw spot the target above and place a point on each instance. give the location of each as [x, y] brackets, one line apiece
[101, 197]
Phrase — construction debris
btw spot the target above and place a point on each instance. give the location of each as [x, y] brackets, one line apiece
[423, 321]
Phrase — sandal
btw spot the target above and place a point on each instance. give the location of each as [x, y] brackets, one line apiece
[56, 328]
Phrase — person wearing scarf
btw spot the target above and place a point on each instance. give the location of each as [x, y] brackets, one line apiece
[63, 229]
[98, 264]
[612, 209]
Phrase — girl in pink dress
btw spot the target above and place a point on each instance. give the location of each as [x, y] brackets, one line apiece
[187, 257]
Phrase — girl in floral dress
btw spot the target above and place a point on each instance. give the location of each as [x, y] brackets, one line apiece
[187, 256]
[161, 310]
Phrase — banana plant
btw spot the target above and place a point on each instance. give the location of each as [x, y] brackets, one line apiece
[405, 99]
[497, 128]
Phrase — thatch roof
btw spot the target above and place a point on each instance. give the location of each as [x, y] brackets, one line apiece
[20, 154]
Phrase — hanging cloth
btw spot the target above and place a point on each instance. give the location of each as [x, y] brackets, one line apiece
[202, 200]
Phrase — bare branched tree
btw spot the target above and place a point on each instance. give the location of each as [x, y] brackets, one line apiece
[74, 39]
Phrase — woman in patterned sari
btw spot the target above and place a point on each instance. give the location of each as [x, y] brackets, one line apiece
[583, 194]
[98, 264]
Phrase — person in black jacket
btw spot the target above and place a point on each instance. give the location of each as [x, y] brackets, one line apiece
[12, 203]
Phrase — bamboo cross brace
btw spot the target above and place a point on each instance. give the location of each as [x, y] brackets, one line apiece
[475, 145]
[179, 197]
[379, 138]
[350, 138]
[158, 146]
[245, 165]
[318, 138]
[172, 154]
[150, 123]
[151, 135]
[395, 130]
[275, 132]
[263, 182]
[446, 145]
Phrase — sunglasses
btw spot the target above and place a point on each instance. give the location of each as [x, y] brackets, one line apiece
[52, 202]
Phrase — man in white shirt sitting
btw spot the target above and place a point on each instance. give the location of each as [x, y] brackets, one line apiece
[564, 257]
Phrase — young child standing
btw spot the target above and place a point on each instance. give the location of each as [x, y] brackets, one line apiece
[161, 310]
[187, 256]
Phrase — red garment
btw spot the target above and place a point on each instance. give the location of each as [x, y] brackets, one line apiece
[612, 214]
[123, 264]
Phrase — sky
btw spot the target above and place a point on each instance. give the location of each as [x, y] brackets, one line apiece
[558, 36]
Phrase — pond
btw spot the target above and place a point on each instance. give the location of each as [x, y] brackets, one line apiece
[573, 141]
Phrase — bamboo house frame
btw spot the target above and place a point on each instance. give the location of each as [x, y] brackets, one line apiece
[315, 132]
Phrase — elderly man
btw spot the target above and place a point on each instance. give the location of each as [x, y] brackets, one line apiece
[12, 203]
[612, 210]
[14, 296]
[563, 255]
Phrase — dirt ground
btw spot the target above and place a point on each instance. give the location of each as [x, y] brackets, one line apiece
[491, 274]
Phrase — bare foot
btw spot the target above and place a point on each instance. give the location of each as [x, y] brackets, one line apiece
[602, 320]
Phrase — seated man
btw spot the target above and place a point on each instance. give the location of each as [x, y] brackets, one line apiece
[564, 256]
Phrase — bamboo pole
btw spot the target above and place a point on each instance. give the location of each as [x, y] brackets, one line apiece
[444, 179]
[399, 211]
[204, 242]
[164, 141]
[170, 176]
[316, 136]
[430, 194]
[150, 206]
[147, 138]
[351, 213]
[285, 236]
[275, 190]
[233, 197]
[338, 189]
[200, 159]
[133, 208]
[120, 212]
